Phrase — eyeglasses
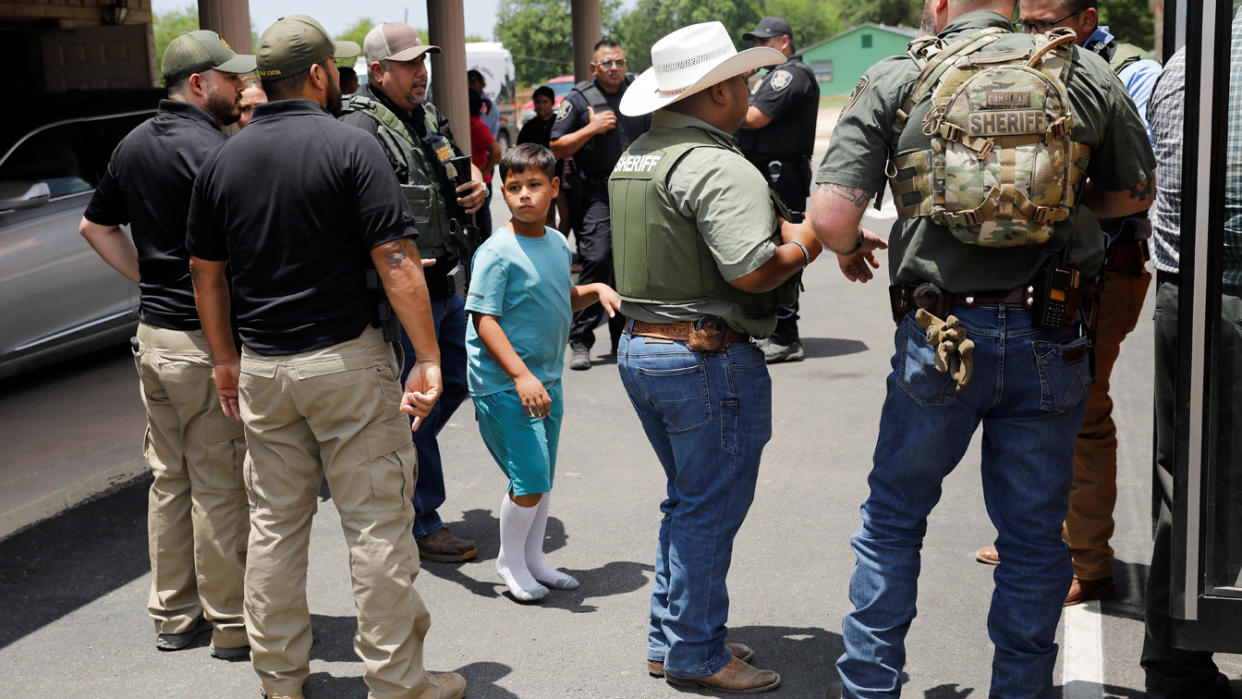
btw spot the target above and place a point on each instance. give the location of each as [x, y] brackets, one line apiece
[1035, 26]
[612, 63]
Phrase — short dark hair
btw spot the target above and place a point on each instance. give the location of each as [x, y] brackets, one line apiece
[476, 102]
[289, 87]
[346, 71]
[543, 91]
[605, 43]
[177, 84]
[525, 156]
[473, 74]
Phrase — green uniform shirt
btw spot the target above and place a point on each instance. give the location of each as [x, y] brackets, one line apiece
[919, 250]
[728, 199]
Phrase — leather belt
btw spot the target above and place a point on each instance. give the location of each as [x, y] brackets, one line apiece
[907, 298]
[679, 331]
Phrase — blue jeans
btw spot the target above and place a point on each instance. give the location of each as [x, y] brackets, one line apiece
[708, 417]
[449, 316]
[1029, 389]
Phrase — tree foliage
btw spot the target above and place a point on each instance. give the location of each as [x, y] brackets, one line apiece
[892, 12]
[539, 34]
[357, 31]
[1131, 21]
[167, 26]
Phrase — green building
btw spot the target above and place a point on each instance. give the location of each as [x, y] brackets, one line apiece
[841, 60]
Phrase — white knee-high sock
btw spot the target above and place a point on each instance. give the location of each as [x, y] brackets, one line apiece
[515, 522]
[534, 552]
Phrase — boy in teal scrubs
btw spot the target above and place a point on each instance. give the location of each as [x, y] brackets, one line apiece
[520, 301]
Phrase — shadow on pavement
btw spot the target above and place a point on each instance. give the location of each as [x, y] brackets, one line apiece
[948, 691]
[481, 680]
[614, 578]
[1091, 689]
[831, 346]
[804, 657]
[69, 561]
[334, 638]
[322, 684]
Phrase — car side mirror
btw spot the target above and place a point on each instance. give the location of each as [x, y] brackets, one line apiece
[23, 195]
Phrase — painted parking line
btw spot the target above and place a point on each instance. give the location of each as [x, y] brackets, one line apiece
[1082, 671]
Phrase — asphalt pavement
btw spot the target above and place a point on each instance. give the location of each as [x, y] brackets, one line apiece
[73, 588]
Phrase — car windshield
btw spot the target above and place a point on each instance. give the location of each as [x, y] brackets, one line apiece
[561, 89]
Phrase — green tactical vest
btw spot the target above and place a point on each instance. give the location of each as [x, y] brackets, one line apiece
[419, 175]
[657, 252]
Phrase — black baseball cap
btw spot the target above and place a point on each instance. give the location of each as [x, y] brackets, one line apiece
[769, 27]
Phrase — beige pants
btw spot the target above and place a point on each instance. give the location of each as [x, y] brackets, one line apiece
[332, 413]
[196, 512]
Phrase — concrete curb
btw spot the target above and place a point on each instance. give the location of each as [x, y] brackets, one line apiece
[88, 488]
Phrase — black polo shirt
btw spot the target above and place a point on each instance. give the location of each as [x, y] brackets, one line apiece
[295, 203]
[147, 185]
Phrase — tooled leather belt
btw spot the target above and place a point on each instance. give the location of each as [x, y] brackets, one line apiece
[679, 331]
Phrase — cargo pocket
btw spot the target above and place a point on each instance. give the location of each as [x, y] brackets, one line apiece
[1064, 373]
[678, 395]
[917, 368]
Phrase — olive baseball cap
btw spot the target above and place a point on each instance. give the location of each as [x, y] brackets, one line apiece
[769, 27]
[295, 43]
[395, 41]
[202, 50]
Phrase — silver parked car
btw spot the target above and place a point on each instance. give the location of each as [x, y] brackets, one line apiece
[57, 297]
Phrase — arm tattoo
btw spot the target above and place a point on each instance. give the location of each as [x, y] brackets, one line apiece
[1143, 190]
[857, 197]
[398, 251]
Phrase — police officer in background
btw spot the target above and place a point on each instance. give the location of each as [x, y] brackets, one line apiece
[589, 128]
[704, 258]
[1089, 524]
[987, 291]
[417, 140]
[300, 208]
[778, 136]
[197, 516]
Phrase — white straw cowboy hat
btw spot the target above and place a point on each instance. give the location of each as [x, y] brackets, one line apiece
[689, 60]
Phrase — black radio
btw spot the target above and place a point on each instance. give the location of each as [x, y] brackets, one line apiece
[1059, 297]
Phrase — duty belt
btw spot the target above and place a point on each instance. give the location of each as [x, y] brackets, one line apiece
[927, 296]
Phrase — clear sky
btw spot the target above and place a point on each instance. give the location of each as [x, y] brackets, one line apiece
[338, 15]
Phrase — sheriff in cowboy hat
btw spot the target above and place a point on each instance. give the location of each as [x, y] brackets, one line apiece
[703, 261]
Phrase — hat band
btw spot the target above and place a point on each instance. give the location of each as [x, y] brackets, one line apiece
[677, 66]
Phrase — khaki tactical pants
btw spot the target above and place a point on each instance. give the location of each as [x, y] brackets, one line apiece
[1089, 524]
[197, 519]
[332, 413]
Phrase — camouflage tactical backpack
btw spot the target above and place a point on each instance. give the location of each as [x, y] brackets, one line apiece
[1002, 170]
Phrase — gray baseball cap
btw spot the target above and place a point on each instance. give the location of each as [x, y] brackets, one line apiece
[395, 41]
[295, 43]
[202, 50]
